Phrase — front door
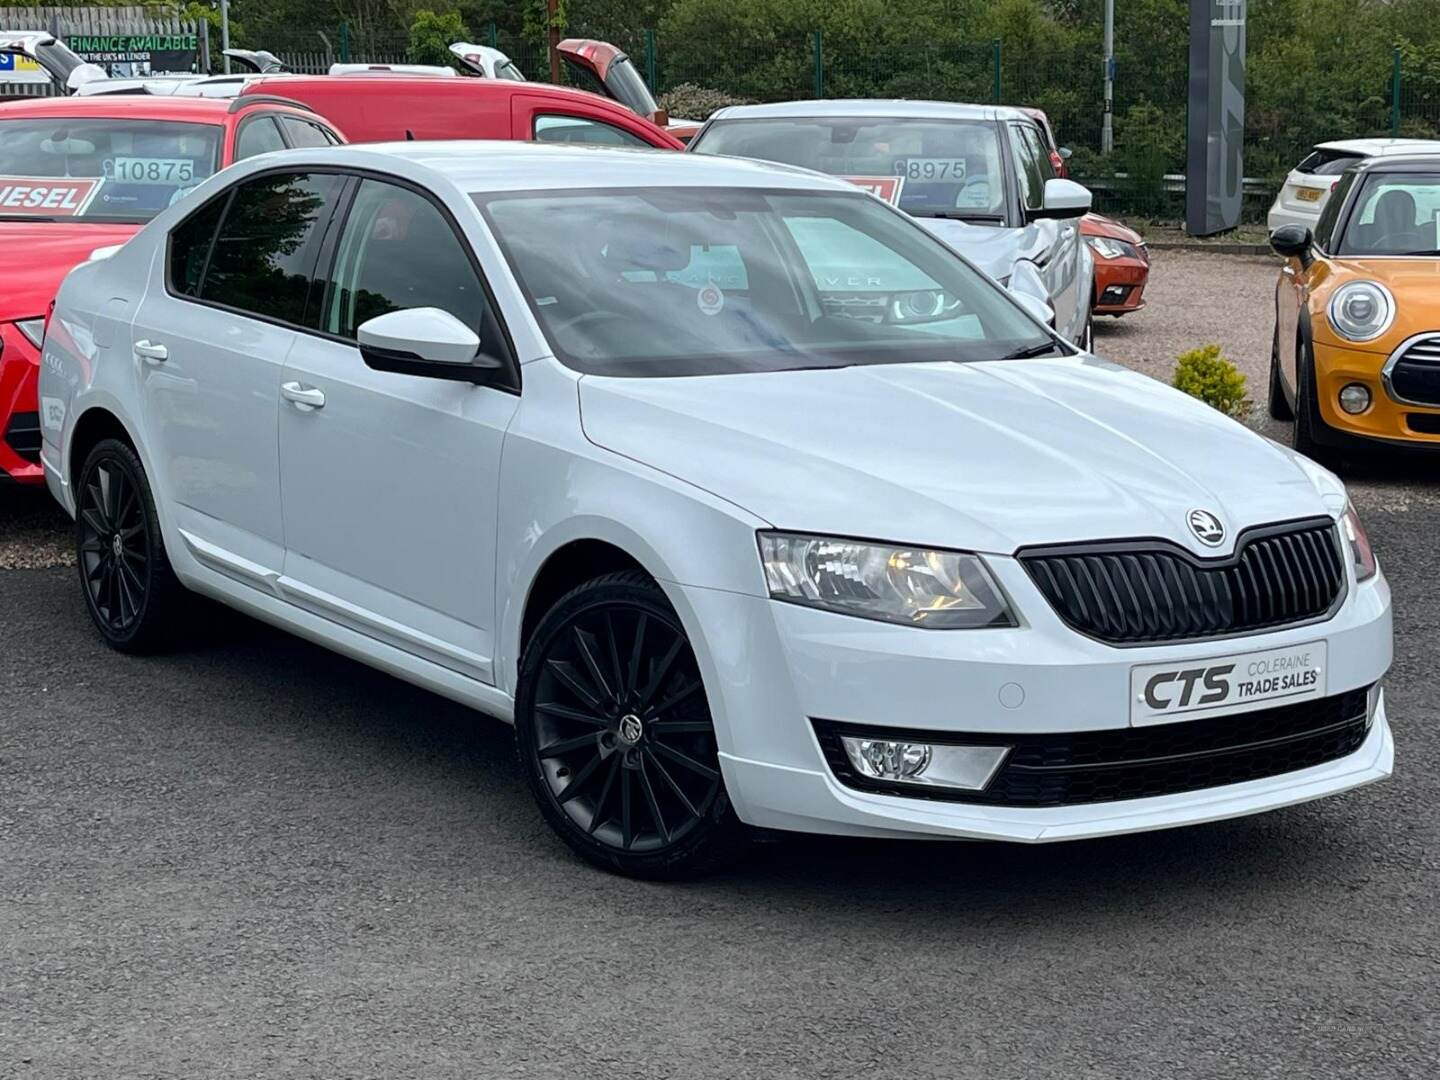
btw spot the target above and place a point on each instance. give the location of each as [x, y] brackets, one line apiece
[389, 481]
[210, 341]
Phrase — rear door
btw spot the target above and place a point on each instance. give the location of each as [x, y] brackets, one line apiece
[210, 340]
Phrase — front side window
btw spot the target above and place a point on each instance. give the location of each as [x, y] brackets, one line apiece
[399, 251]
[790, 280]
[1024, 144]
[581, 129]
[77, 169]
[1395, 214]
[263, 257]
[947, 168]
[1325, 227]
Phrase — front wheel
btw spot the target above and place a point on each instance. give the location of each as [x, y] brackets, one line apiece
[613, 732]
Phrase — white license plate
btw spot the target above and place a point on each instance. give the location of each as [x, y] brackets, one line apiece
[1220, 685]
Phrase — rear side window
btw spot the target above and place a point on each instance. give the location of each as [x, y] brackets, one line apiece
[399, 251]
[303, 133]
[580, 129]
[264, 255]
[258, 135]
[190, 247]
[1327, 162]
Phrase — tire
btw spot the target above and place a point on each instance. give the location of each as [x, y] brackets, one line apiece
[1277, 404]
[130, 590]
[614, 736]
[1308, 423]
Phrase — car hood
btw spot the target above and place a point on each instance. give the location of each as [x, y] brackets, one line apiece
[992, 248]
[983, 456]
[40, 255]
[1097, 225]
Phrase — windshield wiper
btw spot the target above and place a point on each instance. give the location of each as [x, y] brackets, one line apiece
[959, 215]
[1032, 351]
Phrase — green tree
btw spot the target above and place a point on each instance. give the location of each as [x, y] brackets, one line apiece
[431, 35]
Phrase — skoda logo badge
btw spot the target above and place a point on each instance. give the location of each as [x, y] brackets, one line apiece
[1206, 527]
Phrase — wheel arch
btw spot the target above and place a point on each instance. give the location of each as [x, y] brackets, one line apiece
[571, 564]
[94, 425]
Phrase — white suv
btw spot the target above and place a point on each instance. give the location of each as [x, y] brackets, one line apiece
[740, 494]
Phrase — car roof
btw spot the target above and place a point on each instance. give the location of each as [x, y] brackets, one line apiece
[1413, 161]
[1377, 147]
[478, 166]
[895, 108]
[120, 106]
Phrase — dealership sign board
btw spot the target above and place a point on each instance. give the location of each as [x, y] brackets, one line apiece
[1214, 173]
[21, 69]
[146, 52]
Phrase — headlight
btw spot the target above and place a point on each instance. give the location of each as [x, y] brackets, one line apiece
[33, 329]
[1359, 542]
[924, 305]
[1361, 310]
[944, 590]
[1107, 248]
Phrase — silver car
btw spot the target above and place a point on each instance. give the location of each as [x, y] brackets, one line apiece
[979, 177]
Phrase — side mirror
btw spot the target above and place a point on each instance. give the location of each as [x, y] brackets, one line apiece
[1293, 242]
[1063, 199]
[1065, 153]
[1039, 310]
[427, 342]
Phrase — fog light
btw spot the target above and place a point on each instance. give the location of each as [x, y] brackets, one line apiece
[1355, 398]
[926, 764]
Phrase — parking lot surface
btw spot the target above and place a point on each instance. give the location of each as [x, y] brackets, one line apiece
[255, 858]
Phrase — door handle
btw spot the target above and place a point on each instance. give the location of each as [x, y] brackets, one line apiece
[307, 397]
[151, 352]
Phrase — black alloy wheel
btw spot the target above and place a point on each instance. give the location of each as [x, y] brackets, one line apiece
[614, 732]
[129, 587]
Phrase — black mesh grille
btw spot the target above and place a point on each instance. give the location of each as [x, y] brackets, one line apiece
[22, 435]
[1135, 763]
[1416, 374]
[1135, 592]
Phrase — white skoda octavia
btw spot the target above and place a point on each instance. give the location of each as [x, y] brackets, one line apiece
[748, 501]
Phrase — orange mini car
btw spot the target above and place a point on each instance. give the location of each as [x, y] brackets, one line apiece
[1356, 354]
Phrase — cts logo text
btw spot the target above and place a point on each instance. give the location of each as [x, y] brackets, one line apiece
[1176, 689]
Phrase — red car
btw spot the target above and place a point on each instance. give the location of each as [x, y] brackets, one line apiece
[386, 106]
[1122, 265]
[606, 70]
[81, 173]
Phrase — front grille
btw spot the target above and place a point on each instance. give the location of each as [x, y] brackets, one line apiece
[1135, 592]
[1065, 769]
[23, 435]
[1414, 374]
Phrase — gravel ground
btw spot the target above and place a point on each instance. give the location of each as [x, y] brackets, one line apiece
[254, 858]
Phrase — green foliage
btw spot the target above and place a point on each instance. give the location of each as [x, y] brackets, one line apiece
[431, 35]
[1203, 373]
[692, 102]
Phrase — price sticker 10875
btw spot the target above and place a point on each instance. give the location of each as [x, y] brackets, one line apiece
[148, 170]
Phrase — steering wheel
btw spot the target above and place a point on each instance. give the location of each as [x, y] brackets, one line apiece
[1381, 241]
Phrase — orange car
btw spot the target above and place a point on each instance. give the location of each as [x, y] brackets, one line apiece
[1122, 265]
[1356, 354]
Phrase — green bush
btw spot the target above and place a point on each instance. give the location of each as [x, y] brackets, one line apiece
[431, 35]
[690, 102]
[1203, 373]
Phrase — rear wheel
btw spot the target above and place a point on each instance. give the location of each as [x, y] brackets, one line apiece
[132, 593]
[614, 734]
[1278, 404]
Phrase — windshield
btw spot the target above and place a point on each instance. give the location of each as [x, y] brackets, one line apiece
[1395, 214]
[705, 281]
[75, 169]
[949, 168]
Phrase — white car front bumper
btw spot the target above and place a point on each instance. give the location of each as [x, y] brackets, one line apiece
[771, 668]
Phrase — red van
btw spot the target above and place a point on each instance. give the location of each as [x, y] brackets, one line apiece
[385, 107]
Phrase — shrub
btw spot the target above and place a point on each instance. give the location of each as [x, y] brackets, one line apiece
[431, 35]
[690, 102]
[1203, 373]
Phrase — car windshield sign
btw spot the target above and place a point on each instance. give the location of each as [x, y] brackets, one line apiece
[76, 169]
[701, 281]
[948, 167]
